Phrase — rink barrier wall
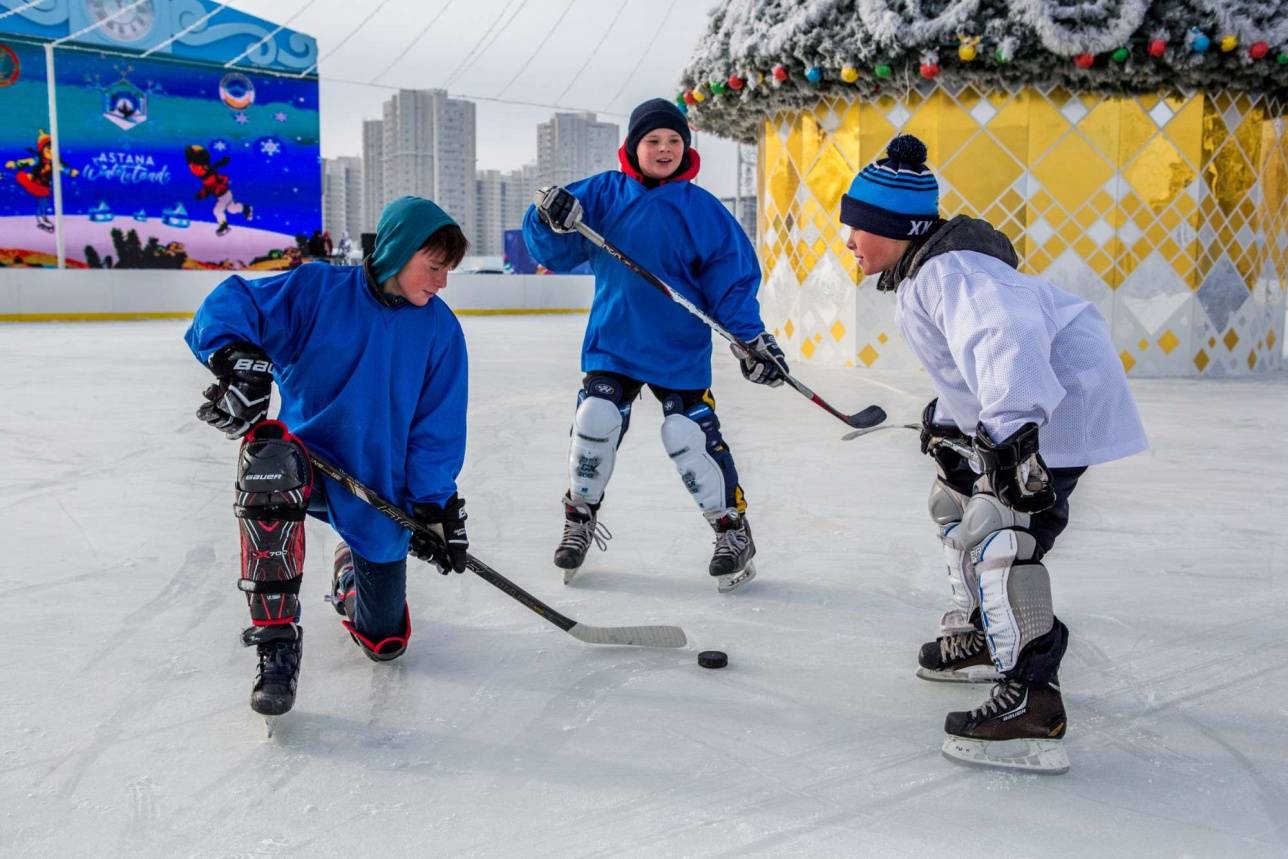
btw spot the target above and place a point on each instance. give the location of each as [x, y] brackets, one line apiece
[74, 295]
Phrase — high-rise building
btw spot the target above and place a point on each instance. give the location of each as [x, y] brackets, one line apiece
[489, 220]
[373, 166]
[342, 197]
[502, 200]
[429, 151]
[573, 146]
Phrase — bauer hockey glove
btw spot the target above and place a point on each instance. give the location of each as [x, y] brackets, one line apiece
[240, 398]
[762, 360]
[447, 521]
[1015, 469]
[557, 209]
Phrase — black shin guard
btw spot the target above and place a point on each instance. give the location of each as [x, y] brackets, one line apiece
[274, 480]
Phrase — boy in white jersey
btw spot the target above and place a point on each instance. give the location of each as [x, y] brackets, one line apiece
[1029, 388]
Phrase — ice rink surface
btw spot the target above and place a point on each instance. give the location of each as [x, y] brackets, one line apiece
[125, 730]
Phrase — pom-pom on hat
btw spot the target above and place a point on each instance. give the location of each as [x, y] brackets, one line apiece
[896, 196]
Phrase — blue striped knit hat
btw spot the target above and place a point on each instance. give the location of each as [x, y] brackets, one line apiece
[896, 196]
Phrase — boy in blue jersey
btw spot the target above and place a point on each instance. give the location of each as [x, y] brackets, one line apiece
[372, 375]
[638, 336]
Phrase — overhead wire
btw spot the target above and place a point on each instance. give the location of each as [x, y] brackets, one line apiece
[412, 44]
[540, 46]
[474, 53]
[370, 15]
[643, 56]
[576, 77]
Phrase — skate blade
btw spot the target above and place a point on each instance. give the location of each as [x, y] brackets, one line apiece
[270, 724]
[972, 674]
[1041, 757]
[731, 582]
[569, 575]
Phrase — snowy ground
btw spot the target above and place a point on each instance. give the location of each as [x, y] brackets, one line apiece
[124, 727]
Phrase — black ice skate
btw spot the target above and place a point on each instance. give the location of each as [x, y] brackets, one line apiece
[1019, 727]
[731, 562]
[278, 671]
[958, 657]
[581, 527]
[222, 229]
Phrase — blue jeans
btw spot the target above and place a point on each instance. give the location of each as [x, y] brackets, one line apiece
[380, 588]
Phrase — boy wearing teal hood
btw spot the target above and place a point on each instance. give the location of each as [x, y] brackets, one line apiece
[371, 370]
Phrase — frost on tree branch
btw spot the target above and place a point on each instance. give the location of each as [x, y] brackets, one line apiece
[862, 48]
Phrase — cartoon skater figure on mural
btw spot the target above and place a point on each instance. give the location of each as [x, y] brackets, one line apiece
[38, 179]
[215, 184]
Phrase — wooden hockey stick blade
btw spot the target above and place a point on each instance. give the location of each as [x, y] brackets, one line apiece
[636, 636]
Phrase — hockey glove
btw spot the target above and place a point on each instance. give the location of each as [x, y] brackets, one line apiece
[762, 360]
[240, 398]
[447, 521]
[1015, 469]
[932, 434]
[557, 209]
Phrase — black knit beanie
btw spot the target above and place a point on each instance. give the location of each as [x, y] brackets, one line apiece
[653, 114]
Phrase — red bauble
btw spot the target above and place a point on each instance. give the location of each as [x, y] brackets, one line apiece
[735, 82]
[929, 70]
[780, 72]
[1084, 61]
[1157, 47]
[688, 97]
[1258, 50]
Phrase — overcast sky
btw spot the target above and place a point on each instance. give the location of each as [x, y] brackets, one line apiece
[554, 72]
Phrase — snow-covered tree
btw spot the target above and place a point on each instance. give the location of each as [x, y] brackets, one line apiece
[762, 56]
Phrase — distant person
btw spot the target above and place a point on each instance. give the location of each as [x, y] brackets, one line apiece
[637, 336]
[372, 374]
[1030, 385]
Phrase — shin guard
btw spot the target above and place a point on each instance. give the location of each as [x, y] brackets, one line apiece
[274, 481]
[947, 506]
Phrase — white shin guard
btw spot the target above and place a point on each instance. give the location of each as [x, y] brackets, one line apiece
[596, 429]
[947, 507]
[686, 444]
[1014, 588]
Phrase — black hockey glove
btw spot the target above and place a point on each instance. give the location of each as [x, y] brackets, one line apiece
[932, 434]
[763, 362]
[557, 209]
[1015, 469]
[447, 521]
[240, 398]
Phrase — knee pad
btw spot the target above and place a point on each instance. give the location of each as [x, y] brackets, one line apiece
[596, 431]
[386, 649]
[692, 439]
[1014, 596]
[947, 506]
[274, 482]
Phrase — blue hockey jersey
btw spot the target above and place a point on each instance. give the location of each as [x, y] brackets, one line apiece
[379, 388]
[686, 237]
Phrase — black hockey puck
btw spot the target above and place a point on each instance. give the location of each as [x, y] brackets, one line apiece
[713, 659]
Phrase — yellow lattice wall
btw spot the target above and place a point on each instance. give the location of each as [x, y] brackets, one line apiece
[1169, 213]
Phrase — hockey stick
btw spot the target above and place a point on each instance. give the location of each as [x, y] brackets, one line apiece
[641, 636]
[869, 417]
[858, 432]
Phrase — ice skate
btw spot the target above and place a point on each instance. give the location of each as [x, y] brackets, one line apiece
[341, 580]
[581, 528]
[222, 229]
[731, 563]
[958, 657]
[1020, 727]
[278, 670]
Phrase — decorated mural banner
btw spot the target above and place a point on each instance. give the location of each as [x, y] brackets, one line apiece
[164, 164]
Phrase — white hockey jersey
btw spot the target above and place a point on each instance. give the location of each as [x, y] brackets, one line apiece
[1005, 348]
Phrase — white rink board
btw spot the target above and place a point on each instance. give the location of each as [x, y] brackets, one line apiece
[126, 731]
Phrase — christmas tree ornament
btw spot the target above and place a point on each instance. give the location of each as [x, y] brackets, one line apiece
[1199, 43]
[780, 72]
[813, 74]
[735, 82]
[1229, 42]
[882, 70]
[1258, 50]
[1157, 47]
[1120, 55]
[849, 74]
[1084, 61]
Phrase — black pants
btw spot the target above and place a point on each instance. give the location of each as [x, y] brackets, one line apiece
[1044, 526]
